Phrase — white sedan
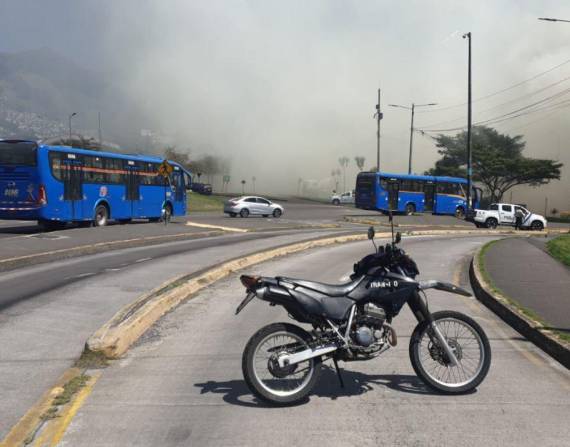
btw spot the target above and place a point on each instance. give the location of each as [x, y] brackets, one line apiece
[246, 205]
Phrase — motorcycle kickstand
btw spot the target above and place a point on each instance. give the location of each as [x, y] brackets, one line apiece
[339, 374]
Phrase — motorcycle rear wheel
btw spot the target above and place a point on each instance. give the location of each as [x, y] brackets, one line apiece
[266, 380]
[471, 348]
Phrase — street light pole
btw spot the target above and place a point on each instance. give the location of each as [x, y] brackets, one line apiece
[413, 108]
[469, 161]
[548, 19]
[411, 141]
[378, 115]
[71, 116]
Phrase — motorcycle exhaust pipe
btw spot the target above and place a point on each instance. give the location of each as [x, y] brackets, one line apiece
[298, 357]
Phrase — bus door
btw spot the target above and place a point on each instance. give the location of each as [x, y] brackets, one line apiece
[73, 185]
[132, 194]
[393, 188]
[179, 191]
[429, 197]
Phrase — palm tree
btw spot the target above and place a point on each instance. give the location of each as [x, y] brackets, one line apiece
[343, 161]
[243, 186]
[360, 162]
[253, 179]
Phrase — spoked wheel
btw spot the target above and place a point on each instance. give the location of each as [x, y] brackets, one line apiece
[467, 341]
[537, 225]
[270, 382]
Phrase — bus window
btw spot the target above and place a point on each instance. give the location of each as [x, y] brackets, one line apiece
[115, 173]
[93, 167]
[21, 153]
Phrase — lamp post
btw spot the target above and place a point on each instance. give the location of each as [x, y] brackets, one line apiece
[548, 19]
[378, 115]
[71, 116]
[412, 108]
[469, 161]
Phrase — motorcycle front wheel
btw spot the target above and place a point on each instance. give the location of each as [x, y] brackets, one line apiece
[469, 344]
[268, 381]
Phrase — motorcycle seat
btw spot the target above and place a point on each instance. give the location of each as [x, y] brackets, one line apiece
[333, 290]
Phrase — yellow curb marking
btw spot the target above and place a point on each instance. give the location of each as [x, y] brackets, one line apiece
[217, 227]
[28, 423]
[53, 433]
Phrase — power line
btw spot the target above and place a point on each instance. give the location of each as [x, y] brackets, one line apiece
[490, 95]
[511, 115]
[505, 115]
[440, 123]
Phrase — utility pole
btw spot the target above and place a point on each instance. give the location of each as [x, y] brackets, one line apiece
[411, 141]
[71, 116]
[100, 134]
[378, 115]
[469, 166]
[412, 127]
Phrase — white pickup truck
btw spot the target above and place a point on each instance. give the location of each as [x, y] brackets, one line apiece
[505, 214]
[345, 197]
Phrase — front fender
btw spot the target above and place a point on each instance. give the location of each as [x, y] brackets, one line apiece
[445, 286]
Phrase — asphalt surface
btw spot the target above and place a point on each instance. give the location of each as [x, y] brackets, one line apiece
[522, 269]
[48, 311]
[183, 385]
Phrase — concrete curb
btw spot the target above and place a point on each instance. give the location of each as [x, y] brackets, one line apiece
[73, 252]
[529, 328]
[115, 337]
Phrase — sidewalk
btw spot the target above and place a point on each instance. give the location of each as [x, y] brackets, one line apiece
[529, 276]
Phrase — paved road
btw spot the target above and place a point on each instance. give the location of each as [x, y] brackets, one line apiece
[183, 384]
[47, 312]
[527, 274]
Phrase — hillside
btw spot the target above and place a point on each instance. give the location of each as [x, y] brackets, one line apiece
[40, 88]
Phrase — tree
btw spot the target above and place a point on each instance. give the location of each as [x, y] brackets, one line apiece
[360, 162]
[498, 162]
[243, 186]
[182, 158]
[78, 141]
[343, 161]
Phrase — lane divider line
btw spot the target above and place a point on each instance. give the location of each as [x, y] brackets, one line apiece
[64, 253]
[216, 227]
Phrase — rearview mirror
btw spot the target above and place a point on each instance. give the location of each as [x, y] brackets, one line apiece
[371, 233]
[398, 237]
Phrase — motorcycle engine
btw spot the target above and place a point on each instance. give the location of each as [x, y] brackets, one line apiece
[369, 325]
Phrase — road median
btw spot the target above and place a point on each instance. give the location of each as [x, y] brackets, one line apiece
[100, 247]
[514, 314]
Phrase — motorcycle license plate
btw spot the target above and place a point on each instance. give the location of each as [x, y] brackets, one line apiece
[245, 302]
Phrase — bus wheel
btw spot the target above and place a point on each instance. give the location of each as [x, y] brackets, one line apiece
[460, 212]
[101, 216]
[410, 209]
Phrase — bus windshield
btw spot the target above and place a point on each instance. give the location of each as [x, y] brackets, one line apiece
[22, 153]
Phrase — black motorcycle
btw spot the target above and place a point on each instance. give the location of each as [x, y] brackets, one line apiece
[281, 363]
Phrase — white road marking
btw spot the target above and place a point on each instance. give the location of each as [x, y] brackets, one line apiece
[84, 275]
[142, 260]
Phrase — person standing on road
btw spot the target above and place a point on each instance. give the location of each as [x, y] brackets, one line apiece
[518, 218]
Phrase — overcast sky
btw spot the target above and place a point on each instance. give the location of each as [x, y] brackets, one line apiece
[286, 87]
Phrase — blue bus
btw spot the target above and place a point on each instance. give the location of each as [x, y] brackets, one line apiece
[413, 193]
[59, 184]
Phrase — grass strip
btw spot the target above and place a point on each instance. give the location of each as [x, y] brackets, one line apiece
[200, 202]
[559, 248]
[522, 309]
